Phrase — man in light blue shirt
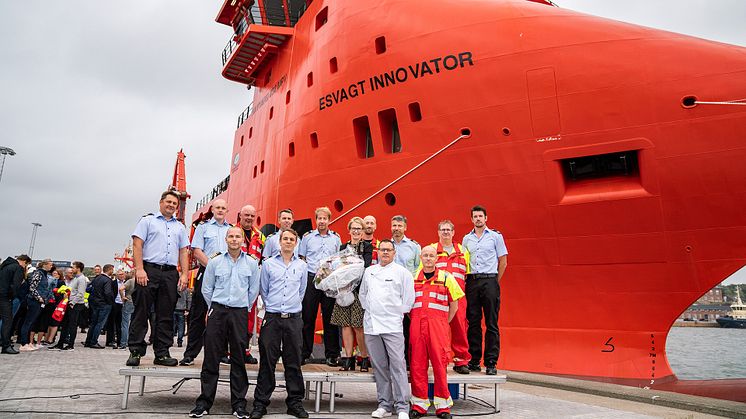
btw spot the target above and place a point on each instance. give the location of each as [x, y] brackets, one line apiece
[315, 247]
[272, 243]
[487, 263]
[208, 241]
[407, 250]
[159, 243]
[283, 284]
[231, 284]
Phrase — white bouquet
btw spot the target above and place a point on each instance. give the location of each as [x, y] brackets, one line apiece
[340, 274]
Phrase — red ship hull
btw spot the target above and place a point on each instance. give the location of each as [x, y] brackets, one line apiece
[599, 268]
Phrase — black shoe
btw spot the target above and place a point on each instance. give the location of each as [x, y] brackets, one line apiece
[198, 412]
[365, 364]
[166, 361]
[241, 413]
[122, 347]
[257, 413]
[134, 360]
[70, 348]
[347, 364]
[413, 414]
[333, 361]
[491, 370]
[186, 361]
[248, 359]
[461, 369]
[444, 415]
[474, 367]
[298, 411]
[55, 347]
[9, 350]
[225, 360]
[111, 345]
[96, 346]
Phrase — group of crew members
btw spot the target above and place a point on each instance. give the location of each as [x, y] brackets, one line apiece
[409, 308]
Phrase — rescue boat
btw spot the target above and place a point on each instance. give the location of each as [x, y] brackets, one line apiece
[609, 155]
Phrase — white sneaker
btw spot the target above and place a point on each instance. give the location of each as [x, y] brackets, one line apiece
[382, 413]
[26, 348]
[403, 415]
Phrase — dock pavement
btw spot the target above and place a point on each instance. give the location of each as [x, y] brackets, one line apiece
[86, 383]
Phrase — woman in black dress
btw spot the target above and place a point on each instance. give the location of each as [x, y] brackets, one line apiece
[350, 318]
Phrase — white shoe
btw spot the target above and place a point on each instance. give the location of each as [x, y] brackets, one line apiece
[26, 348]
[382, 413]
[403, 415]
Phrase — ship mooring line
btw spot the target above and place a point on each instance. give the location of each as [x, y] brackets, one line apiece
[361, 203]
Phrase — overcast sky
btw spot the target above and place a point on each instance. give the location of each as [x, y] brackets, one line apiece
[98, 97]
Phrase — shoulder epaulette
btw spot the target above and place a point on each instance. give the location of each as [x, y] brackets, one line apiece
[253, 257]
[414, 241]
[214, 255]
[334, 232]
[201, 222]
[307, 233]
[148, 214]
[271, 234]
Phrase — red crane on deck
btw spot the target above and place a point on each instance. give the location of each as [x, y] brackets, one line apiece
[178, 185]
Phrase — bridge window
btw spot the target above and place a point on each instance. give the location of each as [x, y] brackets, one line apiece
[309, 79]
[363, 138]
[314, 140]
[291, 149]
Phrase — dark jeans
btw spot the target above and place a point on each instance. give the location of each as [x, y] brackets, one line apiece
[483, 296]
[197, 312]
[6, 316]
[279, 337]
[70, 324]
[114, 325]
[99, 314]
[161, 294]
[179, 326]
[225, 323]
[311, 301]
[34, 309]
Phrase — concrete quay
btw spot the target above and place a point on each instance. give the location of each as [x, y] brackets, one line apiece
[86, 383]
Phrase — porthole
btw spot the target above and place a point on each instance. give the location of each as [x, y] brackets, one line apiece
[390, 199]
[338, 205]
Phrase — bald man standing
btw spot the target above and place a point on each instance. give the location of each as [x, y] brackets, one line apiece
[208, 241]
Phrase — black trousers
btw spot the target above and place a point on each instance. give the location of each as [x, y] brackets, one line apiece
[161, 294]
[114, 325]
[483, 297]
[6, 315]
[70, 324]
[197, 311]
[311, 301]
[225, 323]
[280, 337]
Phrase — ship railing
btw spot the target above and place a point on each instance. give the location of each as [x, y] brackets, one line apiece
[245, 115]
[221, 187]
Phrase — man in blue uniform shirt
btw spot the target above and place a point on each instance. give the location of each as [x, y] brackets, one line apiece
[208, 240]
[489, 258]
[315, 247]
[408, 256]
[159, 242]
[231, 284]
[282, 286]
[272, 244]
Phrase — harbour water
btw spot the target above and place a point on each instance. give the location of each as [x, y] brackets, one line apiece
[701, 353]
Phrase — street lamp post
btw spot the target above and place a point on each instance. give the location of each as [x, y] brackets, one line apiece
[33, 240]
[5, 151]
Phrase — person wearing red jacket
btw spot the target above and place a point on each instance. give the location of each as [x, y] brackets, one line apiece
[436, 303]
[454, 258]
[253, 246]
